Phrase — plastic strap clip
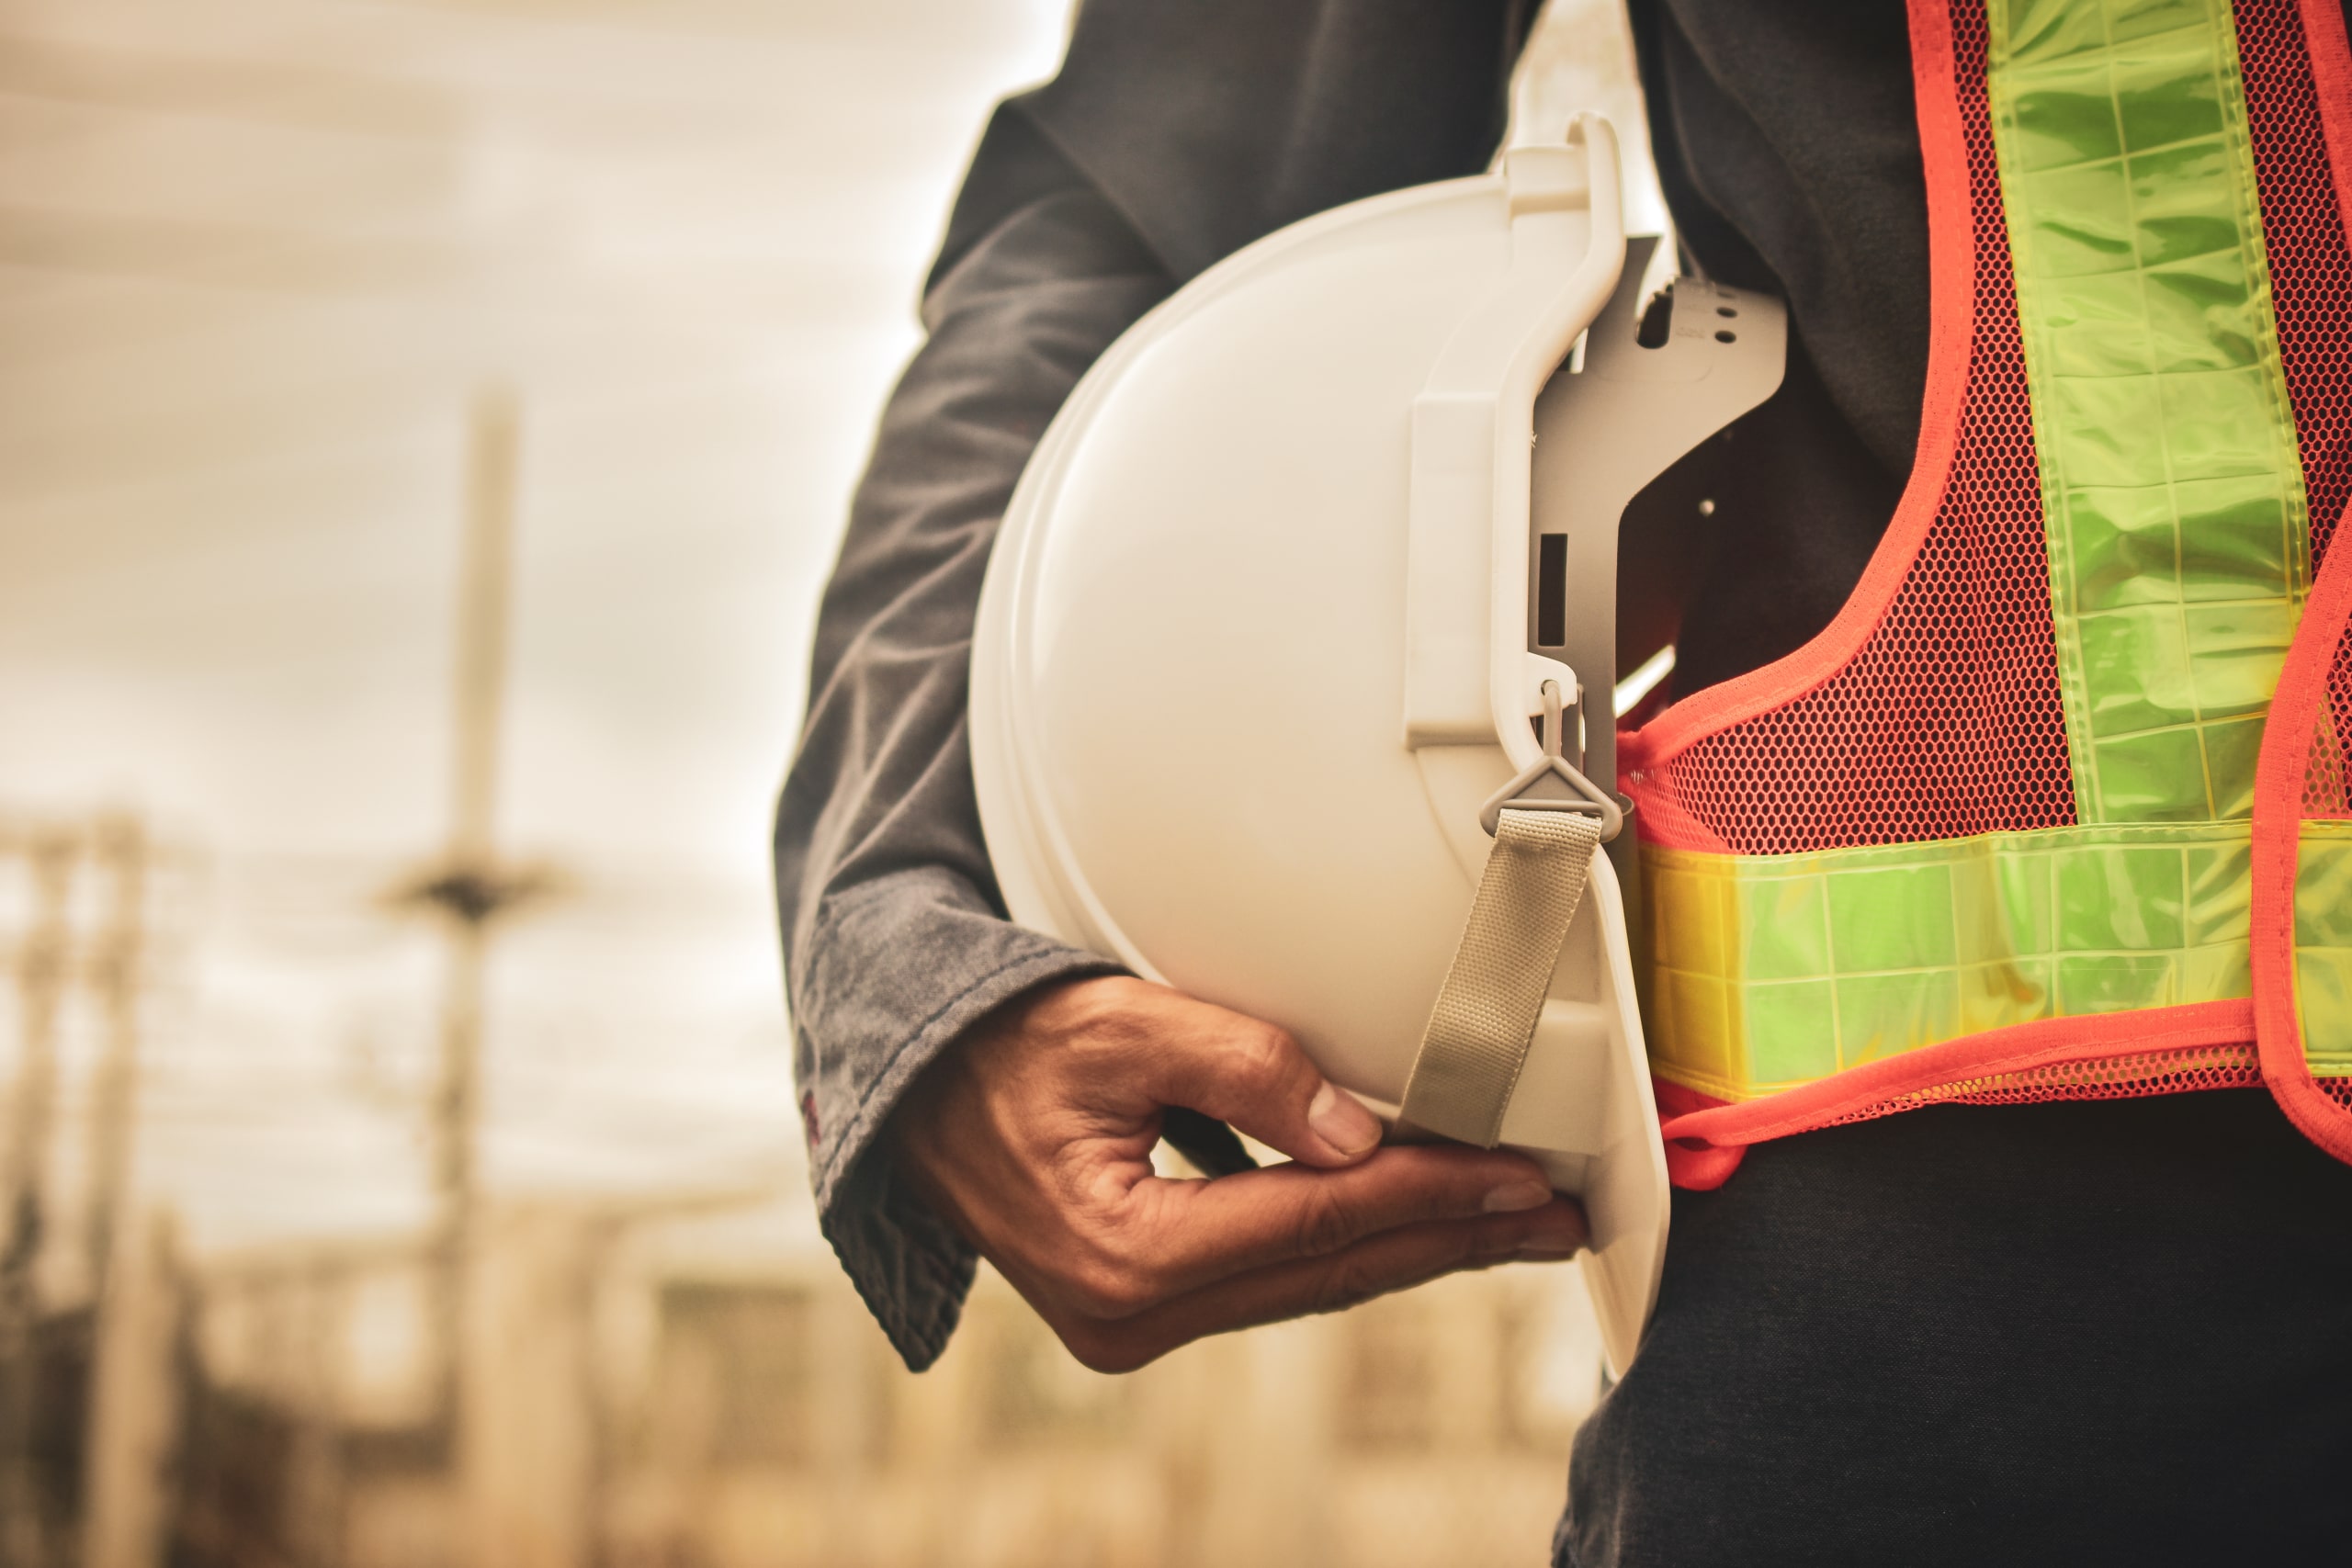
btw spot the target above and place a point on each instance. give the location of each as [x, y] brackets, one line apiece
[1589, 797]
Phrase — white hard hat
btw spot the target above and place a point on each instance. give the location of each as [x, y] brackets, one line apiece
[1271, 615]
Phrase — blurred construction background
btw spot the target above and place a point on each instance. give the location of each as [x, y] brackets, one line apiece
[424, 426]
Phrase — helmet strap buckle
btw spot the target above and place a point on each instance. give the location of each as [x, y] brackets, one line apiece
[1550, 772]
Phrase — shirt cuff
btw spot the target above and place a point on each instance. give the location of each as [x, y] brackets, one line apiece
[924, 945]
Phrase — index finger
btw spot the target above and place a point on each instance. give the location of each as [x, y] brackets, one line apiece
[1389, 1261]
[1186, 1235]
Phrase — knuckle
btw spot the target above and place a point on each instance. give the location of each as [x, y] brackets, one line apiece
[1346, 1283]
[1110, 1288]
[1353, 1279]
[1264, 1054]
[1325, 1223]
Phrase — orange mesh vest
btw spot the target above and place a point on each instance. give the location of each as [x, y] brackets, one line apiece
[2058, 807]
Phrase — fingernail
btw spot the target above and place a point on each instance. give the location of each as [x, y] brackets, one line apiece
[1513, 1197]
[1340, 1122]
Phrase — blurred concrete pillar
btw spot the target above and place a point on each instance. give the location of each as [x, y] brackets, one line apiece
[28, 1523]
[125, 856]
[526, 1447]
[935, 1438]
[313, 1490]
[135, 1400]
[1263, 1497]
[1466, 1332]
[845, 1424]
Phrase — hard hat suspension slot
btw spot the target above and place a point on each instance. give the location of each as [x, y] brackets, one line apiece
[1552, 590]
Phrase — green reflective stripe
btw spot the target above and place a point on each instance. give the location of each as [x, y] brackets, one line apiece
[1769, 970]
[2172, 491]
[2324, 946]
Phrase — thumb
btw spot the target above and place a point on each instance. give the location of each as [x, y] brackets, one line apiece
[1255, 1075]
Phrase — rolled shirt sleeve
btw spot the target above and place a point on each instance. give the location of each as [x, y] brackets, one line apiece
[895, 938]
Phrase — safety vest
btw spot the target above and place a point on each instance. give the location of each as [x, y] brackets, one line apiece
[2058, 807]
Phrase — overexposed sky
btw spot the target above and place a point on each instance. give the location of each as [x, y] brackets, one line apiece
[264, 251]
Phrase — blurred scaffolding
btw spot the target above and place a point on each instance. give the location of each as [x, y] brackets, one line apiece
[334, 1237]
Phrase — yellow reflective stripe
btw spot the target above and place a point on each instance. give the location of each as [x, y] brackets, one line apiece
[2324, 946]
[1765, 972]
[2172, 491]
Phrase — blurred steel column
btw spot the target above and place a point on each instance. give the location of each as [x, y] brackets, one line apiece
[467, 890]
[120, 849]
[469, 887]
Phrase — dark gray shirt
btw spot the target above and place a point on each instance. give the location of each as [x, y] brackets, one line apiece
[2068, 1333]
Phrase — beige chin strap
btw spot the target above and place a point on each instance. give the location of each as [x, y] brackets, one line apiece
[1485, 1013]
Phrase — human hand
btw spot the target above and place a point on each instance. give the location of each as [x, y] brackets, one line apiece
[1034, 1135]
